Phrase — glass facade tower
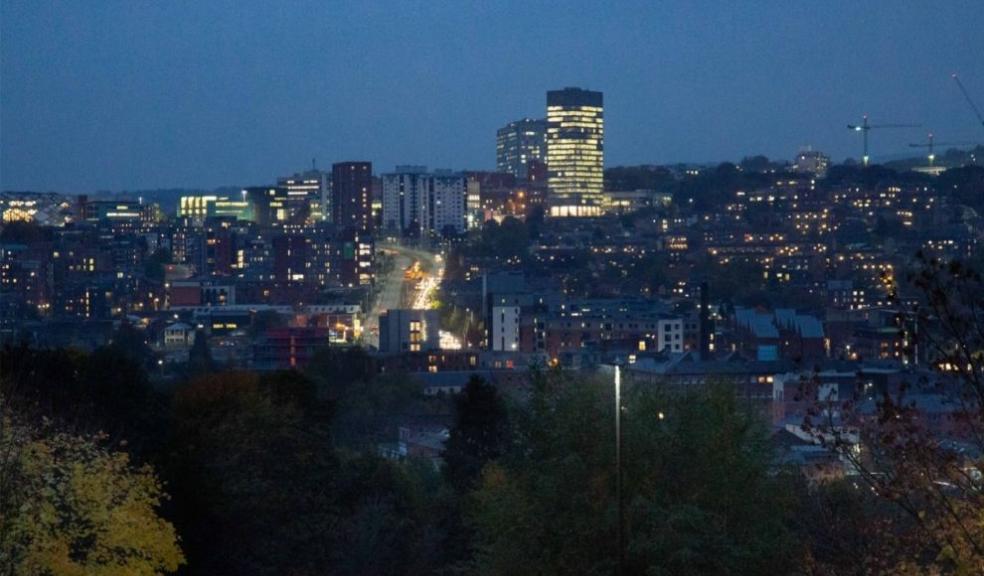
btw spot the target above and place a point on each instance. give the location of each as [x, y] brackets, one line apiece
[575, 152]
[518, 143]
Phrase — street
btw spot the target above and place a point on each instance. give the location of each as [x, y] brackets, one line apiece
[391, 286]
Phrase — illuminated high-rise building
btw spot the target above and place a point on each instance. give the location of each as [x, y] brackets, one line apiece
[575, 152]
[519, 143]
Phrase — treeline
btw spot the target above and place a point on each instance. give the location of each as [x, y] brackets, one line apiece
[278, 473]
[256, 473]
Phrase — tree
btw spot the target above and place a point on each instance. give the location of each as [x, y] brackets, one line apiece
[336, 369]
[715, 187]
[367, 405]
[46, 378]
[131, 343]
[700, 498]
[628, 178]
[119, 399]
[104, 391]
[479, 434]
[965, 185]
[534, 221]
[200, 357]
[253, 470]
[649, 270]
[390, 518]
[510, 239]
[927, 474]
[292, 388]
[260, 489]
[738, 280]
[69, 505]
[154, 264]
[757, 163]
[847, 530]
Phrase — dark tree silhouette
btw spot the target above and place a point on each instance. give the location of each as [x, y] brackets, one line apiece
[200, 357]
[479, 434]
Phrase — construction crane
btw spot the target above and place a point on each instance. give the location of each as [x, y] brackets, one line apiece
[865, 127]
[930, 143]
[966, 96]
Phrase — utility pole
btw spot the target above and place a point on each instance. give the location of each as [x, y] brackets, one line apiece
[618, 470]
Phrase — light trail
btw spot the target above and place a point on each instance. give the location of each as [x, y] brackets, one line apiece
[426, 289]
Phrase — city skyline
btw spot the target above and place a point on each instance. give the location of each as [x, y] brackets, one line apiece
[491, 288]
[105, 107]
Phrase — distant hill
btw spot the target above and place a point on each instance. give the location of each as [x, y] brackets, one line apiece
[950, 158]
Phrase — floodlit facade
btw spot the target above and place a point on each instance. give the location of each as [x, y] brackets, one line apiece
[518, 143]
[505, 328]
[575, 152]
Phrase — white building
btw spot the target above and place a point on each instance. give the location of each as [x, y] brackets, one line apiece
[445, 200]
[416, 202]
[178, 335]
[810, 161]
[505, 328]
[402, 192]
[669, 334]
[404, 330]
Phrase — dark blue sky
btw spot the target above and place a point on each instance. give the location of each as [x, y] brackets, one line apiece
[113, 95]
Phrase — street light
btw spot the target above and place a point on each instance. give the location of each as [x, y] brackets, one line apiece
[618, 468]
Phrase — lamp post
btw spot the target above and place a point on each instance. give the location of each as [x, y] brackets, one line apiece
[618, 469]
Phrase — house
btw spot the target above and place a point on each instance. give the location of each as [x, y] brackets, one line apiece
[179, 335]
[802, 336]
[757, 334]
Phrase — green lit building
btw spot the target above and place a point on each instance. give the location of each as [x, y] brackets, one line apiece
[207, 206]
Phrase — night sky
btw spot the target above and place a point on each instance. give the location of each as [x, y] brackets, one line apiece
[136, 95]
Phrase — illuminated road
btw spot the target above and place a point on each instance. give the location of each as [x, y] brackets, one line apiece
[391, 286]
[420, 297]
